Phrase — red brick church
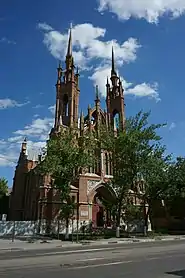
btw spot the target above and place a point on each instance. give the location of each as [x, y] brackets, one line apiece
[33, 197]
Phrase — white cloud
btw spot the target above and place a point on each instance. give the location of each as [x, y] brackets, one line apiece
[172, 126]
[36, 145]
[150, 10]
[8, 159]
[99, 77]
[8, 153]
[37, 106]
[9, 103]
[52, 109]
[141, 90]
[36, 116]
[89, 46]
[144, 90]
[16, 139]
[6, 40]
[37, 133]
[10, 150]
[2, 143]
[93, 52]
[37, 128]
[45, 26]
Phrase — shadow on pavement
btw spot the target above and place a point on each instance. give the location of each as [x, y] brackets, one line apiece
[180, 273]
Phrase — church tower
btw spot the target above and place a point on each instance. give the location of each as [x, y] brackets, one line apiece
[115, 99]
[67, 91]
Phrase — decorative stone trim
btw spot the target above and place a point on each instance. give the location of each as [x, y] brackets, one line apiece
[91, 184]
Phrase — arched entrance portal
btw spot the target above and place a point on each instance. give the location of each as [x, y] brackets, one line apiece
[101, 216]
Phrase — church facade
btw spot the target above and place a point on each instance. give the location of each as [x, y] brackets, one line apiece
[33, 197]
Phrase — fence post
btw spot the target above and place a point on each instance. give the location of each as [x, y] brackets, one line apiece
[13, 232]
[58, 229]
[72, 229]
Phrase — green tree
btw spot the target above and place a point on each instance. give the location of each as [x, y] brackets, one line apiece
[175, 193]
[3, 187]
[65, 158]
[176, 176]
[153, 170]
[135, 151]
[132, 213]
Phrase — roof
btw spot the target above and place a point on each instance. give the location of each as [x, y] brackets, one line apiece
[73, 187]
[33, 154]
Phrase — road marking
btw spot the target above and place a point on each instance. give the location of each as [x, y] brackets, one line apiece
[74, 251]
[100, 265]
[164, 256]
[90, 259]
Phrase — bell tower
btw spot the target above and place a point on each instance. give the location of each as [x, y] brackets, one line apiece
[115, 99]
[67, 91]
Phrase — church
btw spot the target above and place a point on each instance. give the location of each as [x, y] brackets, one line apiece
[33, 197]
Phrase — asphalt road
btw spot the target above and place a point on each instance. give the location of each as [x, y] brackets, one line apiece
[155, 260]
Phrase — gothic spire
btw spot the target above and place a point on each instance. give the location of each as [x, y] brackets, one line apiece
[107, 84]
[69, 48]
[59, 73]
[24, 146]
[113, 72]
[69, 58]
[97, 92]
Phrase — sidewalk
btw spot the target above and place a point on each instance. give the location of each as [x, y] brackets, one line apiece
[18, 245]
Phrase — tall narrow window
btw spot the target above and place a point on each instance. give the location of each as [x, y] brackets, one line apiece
[65, 105]
[74, 110]
[106, 164]
[110, 163]
[116, 121]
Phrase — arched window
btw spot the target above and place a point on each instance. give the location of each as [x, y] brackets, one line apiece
[116, 121]
[106, 164]
[110, 163]
[65, 105]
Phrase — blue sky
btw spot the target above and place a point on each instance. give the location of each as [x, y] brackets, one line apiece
[149, 43]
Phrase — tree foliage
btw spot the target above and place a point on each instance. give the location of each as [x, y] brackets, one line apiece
[136, 154]
[3, 187]
[176, 179]
[65, 157]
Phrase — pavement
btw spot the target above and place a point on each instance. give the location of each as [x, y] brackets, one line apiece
[150, 259]
[40, 244]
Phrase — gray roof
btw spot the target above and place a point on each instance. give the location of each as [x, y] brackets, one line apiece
[33, 154]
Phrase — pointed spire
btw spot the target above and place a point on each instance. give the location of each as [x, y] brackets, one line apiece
[24, 146]
[113, 72]
[81, 114]
[81, 118]
[40, 155]
[113, 66]
[97, 92]
[69, 48]
[59, 70]
[77, 70]
[107, 84]
[120, 82]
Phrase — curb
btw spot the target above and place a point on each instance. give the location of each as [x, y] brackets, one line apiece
[11, 249]
[124, 242]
